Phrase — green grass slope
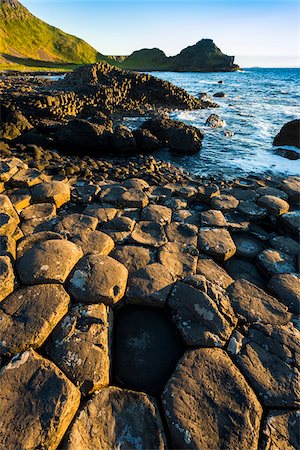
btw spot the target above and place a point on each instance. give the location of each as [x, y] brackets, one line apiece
[27, 41]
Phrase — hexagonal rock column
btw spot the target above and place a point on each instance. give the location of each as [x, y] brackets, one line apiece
[81, 345]
[37, 403]
[48, 262]
[116, 418]
[216, 242]
[29, 315]
[149, 286]
[209, 405]
[98, 279]
[55, 192]
[281, 430]
[269, 357]
[203, 316]
[252, 304]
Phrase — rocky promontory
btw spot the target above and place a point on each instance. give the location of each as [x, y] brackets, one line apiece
[83, 112]
[144, 308]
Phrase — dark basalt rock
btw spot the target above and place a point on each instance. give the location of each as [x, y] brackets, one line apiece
[175, 135]
[81, 135]
[147, 349]
[289, 134]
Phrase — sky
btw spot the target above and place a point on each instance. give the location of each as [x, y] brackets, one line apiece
[264, 33]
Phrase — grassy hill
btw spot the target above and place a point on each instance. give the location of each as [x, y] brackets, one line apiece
[26, 41]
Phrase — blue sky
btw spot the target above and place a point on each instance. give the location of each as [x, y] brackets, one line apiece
[259, 33]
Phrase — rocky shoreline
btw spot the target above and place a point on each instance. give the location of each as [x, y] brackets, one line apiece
[145, 308]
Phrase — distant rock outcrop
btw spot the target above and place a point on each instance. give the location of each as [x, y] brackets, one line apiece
[204, 56]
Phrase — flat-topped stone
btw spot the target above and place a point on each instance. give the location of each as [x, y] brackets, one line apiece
[213, 272]
[149, 285]
[26, 178]
[94, 241]
[224, 202]
[56, 192]
[38, 211]
[98, 279]
[207, 384]
[116, 418]
[182, 233]
[50, 261]
[35, 238]
[273, 262]
[29, 315]
[81, 346]
[216, 242]
[252, 304]
[149, 233]
[179, 259]
[157, 213]
[134, 198]
[74, 224]
[133, 257]
[285, 245]
[252, 210]
[37, 405]
[286, 287]
[212, 218]
[203, 316]
[247, 246]
[268, 356]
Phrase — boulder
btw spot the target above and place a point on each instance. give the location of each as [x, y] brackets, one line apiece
[224, 202]
[74, 224]
[98, 279]
[289, 134]
[175, 135]
[209, 405]
[37, 405]
[116, 418]
[81, 346]
[215, 121]
[123, 139]
[29, 315]
[14, 125]
[146, 141]
[276, 206]
[80, 135]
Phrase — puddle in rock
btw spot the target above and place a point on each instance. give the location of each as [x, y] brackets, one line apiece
[147, 349]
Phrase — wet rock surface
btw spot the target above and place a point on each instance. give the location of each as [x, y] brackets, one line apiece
[111, 271]
[147, 349]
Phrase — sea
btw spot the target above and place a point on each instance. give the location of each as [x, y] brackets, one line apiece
[258, 102]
